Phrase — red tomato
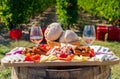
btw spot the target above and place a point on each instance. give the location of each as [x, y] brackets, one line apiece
[91, 53]
[67, 58]
[63, 55]
[15, 34]
[28, 58]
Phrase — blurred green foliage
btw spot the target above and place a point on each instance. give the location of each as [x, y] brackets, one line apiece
[67, 12]
[15, 12]
[107, 9]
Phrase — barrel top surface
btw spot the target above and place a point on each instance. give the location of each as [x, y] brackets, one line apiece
[60, 63]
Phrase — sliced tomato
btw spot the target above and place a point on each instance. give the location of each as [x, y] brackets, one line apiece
[68, 58]
[91, 53]
[28, 58]
[62, 55]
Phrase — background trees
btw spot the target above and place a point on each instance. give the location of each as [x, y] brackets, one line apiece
[107, 9]
[67, 11]
[15, 12]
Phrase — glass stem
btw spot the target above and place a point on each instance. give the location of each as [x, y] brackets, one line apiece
[37, 44]
[88, 45]
[17, 43]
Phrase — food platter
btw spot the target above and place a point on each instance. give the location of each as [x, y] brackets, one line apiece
[15, 59]
[60, 63]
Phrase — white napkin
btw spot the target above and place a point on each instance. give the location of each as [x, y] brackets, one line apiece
[13, 58]
[103, 53]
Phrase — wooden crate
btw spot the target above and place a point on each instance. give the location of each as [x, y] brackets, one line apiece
[101, 31]
[113, 33]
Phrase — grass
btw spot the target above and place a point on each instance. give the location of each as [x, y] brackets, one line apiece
[5, 47]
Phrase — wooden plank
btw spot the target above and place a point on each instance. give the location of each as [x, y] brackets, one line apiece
[15, 73]
[82, 72]
[23, 74]
[62, 63]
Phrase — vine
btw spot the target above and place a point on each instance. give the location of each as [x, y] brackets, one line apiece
[67, 12]
[109, 9]
[15, 12]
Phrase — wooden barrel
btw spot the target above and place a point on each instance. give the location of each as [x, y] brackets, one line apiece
[87, 72]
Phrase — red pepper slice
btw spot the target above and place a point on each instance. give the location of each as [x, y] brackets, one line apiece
[68, 58]
[35, 58]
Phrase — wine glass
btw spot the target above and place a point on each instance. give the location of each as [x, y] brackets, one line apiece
[36, 35]
[89, 34]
